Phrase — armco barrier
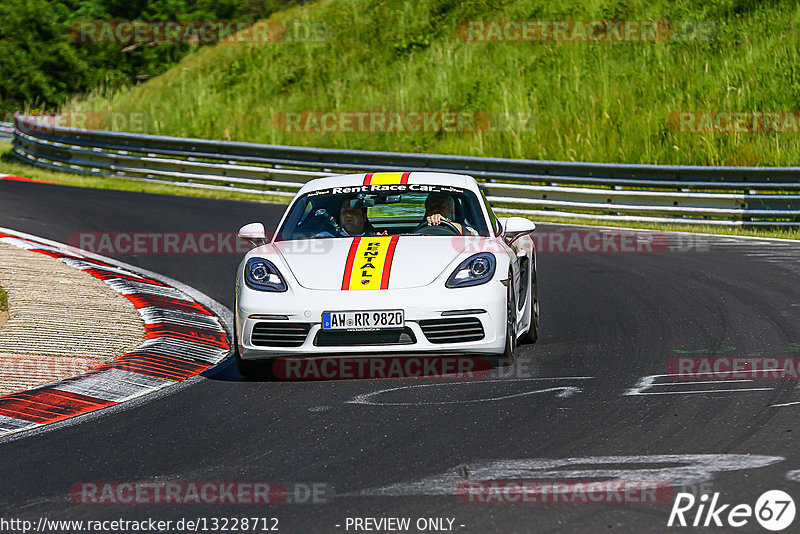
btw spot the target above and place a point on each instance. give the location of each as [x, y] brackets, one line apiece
[6, 131]
[667, 193]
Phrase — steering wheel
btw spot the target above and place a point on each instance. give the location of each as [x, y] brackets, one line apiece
[443, 228]
[331, 225]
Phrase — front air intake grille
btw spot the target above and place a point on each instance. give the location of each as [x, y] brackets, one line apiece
[452, 330]
[344, 338]
[280, 334]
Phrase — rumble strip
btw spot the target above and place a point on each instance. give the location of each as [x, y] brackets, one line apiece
[184, 338]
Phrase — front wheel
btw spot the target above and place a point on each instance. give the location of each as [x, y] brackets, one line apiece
[511, 320]
[532, 334]
[248, 369]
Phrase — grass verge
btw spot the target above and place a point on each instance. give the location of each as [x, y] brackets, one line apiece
[3, 307]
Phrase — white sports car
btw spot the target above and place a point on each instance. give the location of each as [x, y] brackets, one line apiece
[379, 263]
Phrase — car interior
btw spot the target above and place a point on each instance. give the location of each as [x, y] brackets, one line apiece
[396, 214]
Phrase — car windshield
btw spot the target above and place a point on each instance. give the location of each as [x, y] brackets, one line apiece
[360, 210]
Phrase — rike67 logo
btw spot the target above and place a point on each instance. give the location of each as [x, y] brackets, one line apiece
[774, 510]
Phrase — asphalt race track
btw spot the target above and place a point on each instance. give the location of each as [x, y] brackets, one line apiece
[580, 397]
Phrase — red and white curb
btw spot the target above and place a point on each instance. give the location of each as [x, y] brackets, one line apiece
[184, 338]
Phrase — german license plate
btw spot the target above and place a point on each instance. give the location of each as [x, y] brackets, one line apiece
[363, 320]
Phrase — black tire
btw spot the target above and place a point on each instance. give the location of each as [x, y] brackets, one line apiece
[248, 368]
[532, 334]
[511, 319]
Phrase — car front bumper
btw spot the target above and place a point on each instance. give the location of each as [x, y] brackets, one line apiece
[305, 306]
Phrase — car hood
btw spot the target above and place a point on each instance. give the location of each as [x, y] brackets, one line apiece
[370, 262]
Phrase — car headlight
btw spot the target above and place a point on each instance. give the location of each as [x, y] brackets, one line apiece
[262, 275]
[473, 271]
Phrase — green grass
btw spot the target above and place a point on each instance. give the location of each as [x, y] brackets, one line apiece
[3, 300]
[589, 101]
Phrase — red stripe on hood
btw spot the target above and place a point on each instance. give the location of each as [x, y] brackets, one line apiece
[387, 264]
[348, 267]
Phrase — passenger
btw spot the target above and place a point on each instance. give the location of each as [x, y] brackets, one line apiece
[353, 220]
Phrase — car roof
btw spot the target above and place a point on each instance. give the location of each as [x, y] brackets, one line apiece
[428, 178]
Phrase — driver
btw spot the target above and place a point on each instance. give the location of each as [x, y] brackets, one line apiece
[442, 207]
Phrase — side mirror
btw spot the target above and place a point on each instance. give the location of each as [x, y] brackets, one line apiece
[516, 227]
[254, 233]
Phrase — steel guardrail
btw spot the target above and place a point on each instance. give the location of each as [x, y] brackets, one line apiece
[6, 131]
[669, 193]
